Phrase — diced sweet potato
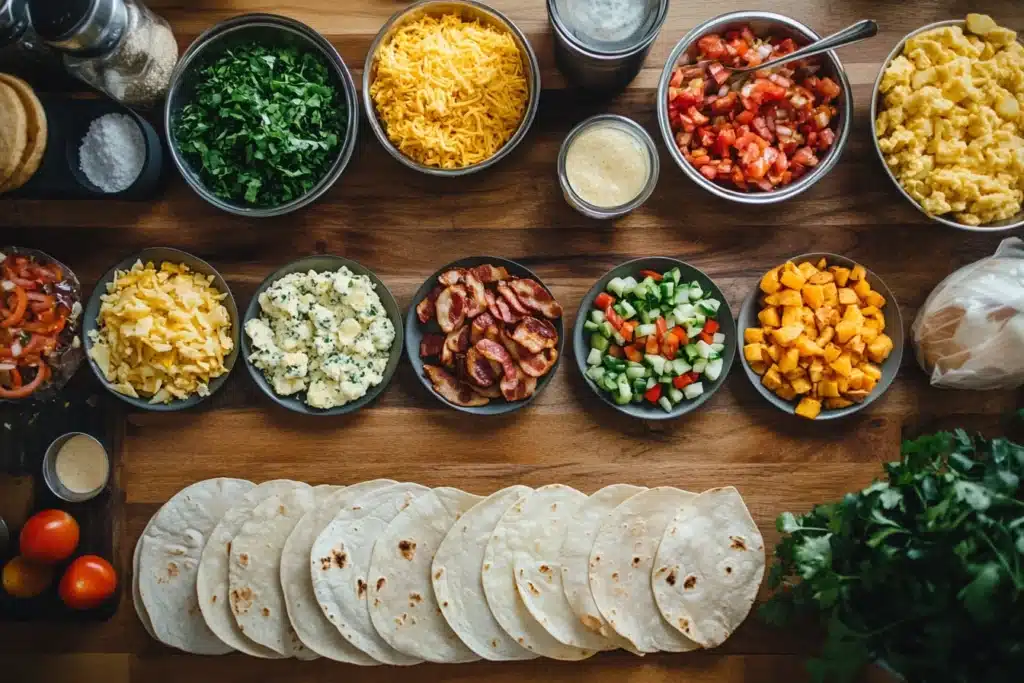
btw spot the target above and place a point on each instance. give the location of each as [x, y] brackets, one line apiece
[857, 396]
[880, 349]
[862, 288]
[853, 314]
[847, 296]
[789, 360]
[809, 408]
[828, 388]
[793, 279]
[831, 293]
[845, 331]
[868, 334]
[769, 317]
[832, 352]
[755, 353]
[837, 403]
[841, 274]
[790, 297]
[822, 263]
[869, 311]
[753, 335]
[875, 299]
[759, 367]
[856, 378]
[841, 365]
[786, 392]
[856, 345]
[814, 295]
[771, 300]
[785, 336]
[772, 380]
[796, 373]
[843, 384]
[821, 278]
[872, 371]
[869, 383]
[792, 315]
[807, 269]
[801, 385]
[806, 347]
[826, 336]
[774, 353]
[770, 281]
[858, 272]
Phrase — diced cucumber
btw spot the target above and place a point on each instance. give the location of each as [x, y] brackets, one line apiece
[651, 288]
[597, 316]
[651, 382]
[645, 330]
[635, 372]
[599, 342]
[656, 362]
[670, 321]
[590, 326]
[709, 307]
[675, 395]
[674, 275]
[695, 291]
[637, 398]
[665, 404]
[607, 329]
[613, 363]
[627, 310]
[628, 284]
[699, 318]
[703, 349]
[693, 330]
[666, 379]
[610, 382]
[596, 373]
[639, 385]
[691, 352]
[595, 357]
[619, 339]
[700, 365]
[693, 390]
[684, 311]
[717, 348]
[718, 338]
[624, 391]
[639, 291]
[668, 288]
[621, 399]
[617, 286]
[714, 369]
[681, 367]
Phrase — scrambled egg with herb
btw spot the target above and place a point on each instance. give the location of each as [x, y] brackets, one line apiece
[952, 121]
[162, 334]
[323, 333]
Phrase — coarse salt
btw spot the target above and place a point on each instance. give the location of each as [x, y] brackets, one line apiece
[113, 152]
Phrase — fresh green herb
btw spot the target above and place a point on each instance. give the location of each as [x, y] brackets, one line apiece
[263, 124]
[923, 571]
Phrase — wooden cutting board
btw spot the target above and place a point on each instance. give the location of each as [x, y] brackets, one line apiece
[404, 226]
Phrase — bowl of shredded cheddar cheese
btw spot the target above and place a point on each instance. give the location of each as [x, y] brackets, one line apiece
[450, 88]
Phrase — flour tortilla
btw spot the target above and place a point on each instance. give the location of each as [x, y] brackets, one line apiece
[340, 562]
[458, 584]
[35, 131]
[621, 563]
[212, 582]
[533, 520]
[169, 556]
[310, 624]
[140, 609]
[575, 558]
[254, 572]
[403, 607]
[709, 567]
[13, 131]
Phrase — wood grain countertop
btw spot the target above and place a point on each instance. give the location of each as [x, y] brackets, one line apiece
[404, 225]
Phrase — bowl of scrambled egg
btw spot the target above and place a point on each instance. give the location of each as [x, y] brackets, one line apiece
[161, 330]
[948, 109]
[322, 336]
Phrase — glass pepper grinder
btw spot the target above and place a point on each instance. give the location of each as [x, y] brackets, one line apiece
[22, 53]
[117, 46]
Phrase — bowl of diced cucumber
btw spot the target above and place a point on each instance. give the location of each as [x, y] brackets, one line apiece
[655, 338]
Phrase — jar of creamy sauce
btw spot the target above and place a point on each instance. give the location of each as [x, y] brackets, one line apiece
[76, 467]
[608, 166]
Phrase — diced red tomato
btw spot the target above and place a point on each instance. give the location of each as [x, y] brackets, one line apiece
[712, 46]
[654, 393]
[661, 326]
[707, 338]
[651, 345]
[711, 326]
[680, 335]
[603, 300]
[612, 317]
[683, 381]
[627, 330]
[615, 351]
[657, 277]
[670, 346]
[634, 354]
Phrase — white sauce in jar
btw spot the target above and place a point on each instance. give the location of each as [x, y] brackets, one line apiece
[82, 464]
[606, 21]
[607, 166]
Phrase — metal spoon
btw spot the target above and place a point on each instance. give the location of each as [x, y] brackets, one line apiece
[863, 29]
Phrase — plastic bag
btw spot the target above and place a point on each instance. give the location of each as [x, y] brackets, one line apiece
[970, 332]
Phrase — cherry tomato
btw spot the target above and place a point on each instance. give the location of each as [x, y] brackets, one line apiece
[49, 537]
[88, 582]
[25, 579]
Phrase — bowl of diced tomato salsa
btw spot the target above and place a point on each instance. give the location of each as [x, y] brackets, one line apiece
[763, 137]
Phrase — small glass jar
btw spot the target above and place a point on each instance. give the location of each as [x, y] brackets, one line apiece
[22, 52]
[118, 47]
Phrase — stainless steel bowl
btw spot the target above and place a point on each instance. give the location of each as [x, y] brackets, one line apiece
[761, 23]
[876, 98]
[53, 482]
[653, 166]
[468, 10]
[274, 30]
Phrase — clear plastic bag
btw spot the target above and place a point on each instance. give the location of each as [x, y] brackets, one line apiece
[970, 332]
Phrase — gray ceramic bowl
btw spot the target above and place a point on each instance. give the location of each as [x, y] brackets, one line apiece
[470, 10]
[893, 328]
[876, 102]
[414, 331]
[267, 29]
[159, 255]
[763, 24]
[322, 263]
[581, 345]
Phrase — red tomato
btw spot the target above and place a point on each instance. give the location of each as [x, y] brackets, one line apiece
[49, 537]
[24, 579]
[88, 582]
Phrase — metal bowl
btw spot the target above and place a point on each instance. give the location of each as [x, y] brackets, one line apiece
[876, 100]
[268, 29]
[761, 23]
[52, 480]
[893, 328]
[468, 10]
[160, 255]
[323, 263]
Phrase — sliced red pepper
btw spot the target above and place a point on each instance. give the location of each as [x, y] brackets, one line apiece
[627, 330]
[661, 326]
[682, 381]
[707, 338]
[17, 308]
[42, 373]
[711, 326]
[654, 393]
[634, 354]
[651, 345]
[603, 300]
[680, 335]
[613, 318]
[657, 277]
[670, 346]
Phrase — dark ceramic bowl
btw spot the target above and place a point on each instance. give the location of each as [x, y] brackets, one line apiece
[414, 331]
[320, 264]
[659, 264]
[893, 328]
[160, 255]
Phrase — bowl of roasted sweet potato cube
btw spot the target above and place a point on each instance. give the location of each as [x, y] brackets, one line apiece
[822, 336]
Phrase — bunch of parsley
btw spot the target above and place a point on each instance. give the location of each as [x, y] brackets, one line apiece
[263, 124]
[923, 571]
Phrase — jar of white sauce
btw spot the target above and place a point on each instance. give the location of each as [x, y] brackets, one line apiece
[608, 166]
[76, 467]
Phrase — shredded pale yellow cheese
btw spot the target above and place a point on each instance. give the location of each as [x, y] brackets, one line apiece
[449, 92]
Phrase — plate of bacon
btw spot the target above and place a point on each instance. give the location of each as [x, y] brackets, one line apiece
[484, 335]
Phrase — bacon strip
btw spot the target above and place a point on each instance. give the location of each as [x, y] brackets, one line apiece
[457, 341]
[431, 345]
[452, 390]
[487, 273]
[536, 298]
[516, 350]
[478, 369]
[499, 308]
[535, 335]
[451, 277]
[451, 308]
[513, 301]
[520, 388]
[492, 350]
[425, 309]
[484, 326]
[539, 364]
[477, 298]
[493, 391]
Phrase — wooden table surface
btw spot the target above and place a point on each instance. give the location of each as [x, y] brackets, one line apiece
[404, 226]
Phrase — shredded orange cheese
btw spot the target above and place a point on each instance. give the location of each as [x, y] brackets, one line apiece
[449, 92]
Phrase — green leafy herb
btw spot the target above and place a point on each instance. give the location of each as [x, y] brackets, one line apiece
[263, 124]
[923, 571]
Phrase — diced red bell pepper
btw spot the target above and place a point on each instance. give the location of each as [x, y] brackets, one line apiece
[651, 345]
[683, 381]
[657, 277]
[615, 351]
[712, 46]
[653, 394]
[634, 354]
[680, 335]
[612, 317]
[627, 330]
[711, 326]
[662, 326]
[603, 300]
[706, 337]
[670, 346]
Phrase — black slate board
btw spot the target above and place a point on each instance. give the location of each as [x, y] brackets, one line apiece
[25, 433]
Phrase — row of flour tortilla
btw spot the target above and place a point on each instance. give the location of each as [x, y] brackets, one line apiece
[383, 572]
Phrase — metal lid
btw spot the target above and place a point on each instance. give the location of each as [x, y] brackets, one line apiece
[608, 27]
[13, 20]
[80, 27]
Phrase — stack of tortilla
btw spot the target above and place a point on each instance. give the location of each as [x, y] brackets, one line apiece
[383, 572]
[23, 133]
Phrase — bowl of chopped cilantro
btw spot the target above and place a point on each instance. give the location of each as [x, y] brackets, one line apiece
[261, 115]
